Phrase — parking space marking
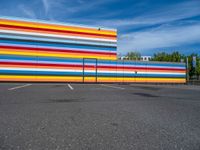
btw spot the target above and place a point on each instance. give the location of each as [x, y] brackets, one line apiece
[18, 87]
[70, 87]
[115, 87]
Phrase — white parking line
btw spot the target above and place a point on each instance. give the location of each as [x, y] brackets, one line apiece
[18, 87]
[115, 87]
[70, 87]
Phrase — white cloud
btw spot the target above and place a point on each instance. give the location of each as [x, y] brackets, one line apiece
[71, 7]
[27, 11]
[46, 5]
[159, 38]
[159, 16]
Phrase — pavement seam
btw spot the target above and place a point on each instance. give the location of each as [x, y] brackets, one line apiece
[115, 87]
[18, 87]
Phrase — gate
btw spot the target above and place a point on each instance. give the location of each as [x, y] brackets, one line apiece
[89, 70]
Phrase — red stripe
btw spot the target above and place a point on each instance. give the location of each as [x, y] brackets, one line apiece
[57, 50]
[60, 31]
[43, 64]
[135, 68]
[100, 67]
[148, 68]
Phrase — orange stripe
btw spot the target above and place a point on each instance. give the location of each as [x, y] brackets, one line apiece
[57, 27]
[99, 69]
[39, 80]
[58, 33]
[59, 53]
[87, 79]
[37, 66]
[149, 70]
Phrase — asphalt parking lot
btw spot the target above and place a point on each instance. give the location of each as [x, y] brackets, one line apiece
[99, 116]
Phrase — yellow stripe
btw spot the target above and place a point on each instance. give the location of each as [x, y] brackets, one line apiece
[54, 52]
[57, 27]
[104, 79]
[55, 55]
[87, 79]
[45, 78]
[40, 78]
[161, 80]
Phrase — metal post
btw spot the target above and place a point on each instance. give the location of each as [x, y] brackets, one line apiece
[83, 70]
[96, 70]
[187, 70]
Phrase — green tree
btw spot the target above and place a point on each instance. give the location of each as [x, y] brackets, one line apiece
[198, 67]
[173, 57]
[177, 57]
[190, 67]
[133, 56]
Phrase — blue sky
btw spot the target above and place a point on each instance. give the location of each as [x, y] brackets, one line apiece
[146, 26]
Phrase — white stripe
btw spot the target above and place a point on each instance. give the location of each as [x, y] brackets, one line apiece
[144, 66]
[44, 62]
[56, 36]
[59, 48]
[65, 63]
[18, 87]
[138, 72]
[88, 70]
[67, 41]
[150, 66]
[172, 73]
[115, 87]
[70, 87]
[37, 69]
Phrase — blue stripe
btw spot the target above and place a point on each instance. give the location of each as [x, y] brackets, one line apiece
[21, 72]
[86, 74]
[63, 60]
[58, 45]
[60, 40]
[29, 58]
[155, 64]
[139, 75]
[128, 64]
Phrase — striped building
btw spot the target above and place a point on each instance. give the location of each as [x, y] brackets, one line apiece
[39, 51]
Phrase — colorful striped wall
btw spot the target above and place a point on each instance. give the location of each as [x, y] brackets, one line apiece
[32, 38]
[32, 51]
